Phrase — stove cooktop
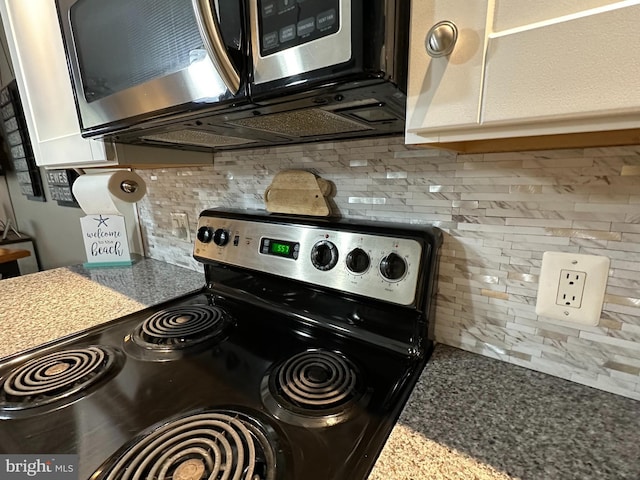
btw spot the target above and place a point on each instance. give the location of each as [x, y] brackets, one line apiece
[255, 377]
[306, 391]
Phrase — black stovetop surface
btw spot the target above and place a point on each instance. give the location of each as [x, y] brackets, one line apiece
[227, 375]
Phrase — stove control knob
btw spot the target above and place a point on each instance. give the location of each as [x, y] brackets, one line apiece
[393, 267]
[205, 234]
[221, 237]
[358, 261]
[324, 255]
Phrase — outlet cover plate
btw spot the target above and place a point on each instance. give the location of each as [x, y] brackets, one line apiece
[180, 226]
[597, 271]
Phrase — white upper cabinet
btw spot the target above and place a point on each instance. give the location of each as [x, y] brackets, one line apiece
[37, 54]
[444, 92]
[522, 68]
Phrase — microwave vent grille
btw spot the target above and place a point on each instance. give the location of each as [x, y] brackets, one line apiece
[302, 123]
[196, 137]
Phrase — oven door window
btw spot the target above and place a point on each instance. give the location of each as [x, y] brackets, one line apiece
[133, 57]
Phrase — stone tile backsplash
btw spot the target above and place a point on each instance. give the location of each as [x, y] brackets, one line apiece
[499, 212]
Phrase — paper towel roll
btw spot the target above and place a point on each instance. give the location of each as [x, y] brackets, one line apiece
[106, 192]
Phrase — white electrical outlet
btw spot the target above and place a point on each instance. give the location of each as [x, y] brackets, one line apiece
[572, 286]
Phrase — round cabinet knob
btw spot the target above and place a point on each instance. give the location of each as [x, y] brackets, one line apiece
[358, 260]
[205, 234]
[441, 38]
[393, 267]
[324, 255]
[221, 237]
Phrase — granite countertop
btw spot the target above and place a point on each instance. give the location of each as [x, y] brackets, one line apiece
[470, 417]
[473, 417]
[43, 306]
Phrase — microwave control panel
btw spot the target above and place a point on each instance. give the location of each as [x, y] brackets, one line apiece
[284, 24]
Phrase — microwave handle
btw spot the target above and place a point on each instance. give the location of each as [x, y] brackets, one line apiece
[214, 44]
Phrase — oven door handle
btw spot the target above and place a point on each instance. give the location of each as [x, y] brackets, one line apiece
[214, 44]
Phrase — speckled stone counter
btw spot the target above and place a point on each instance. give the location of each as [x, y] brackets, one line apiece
[470, 417]
[43, 306]
[473, 417]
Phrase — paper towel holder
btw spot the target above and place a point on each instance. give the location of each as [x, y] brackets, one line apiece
[104, 197]
[129, 186]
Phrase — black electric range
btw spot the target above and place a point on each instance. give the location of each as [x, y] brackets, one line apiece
[293, 362]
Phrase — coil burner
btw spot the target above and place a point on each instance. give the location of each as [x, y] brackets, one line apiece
[169, 333]
[212, 445]
[316, 388]
[57, 377]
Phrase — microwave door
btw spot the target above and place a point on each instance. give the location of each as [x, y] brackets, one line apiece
[137, 60]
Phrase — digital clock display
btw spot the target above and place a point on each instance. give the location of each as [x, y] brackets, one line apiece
[279, 248]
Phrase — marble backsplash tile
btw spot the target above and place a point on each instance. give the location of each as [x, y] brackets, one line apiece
[499, 212]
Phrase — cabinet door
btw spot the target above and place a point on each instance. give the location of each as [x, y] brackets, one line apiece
[37, 53]
[563, 66]
[444, 92]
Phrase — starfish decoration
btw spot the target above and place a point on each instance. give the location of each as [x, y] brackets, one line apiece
[102, 221]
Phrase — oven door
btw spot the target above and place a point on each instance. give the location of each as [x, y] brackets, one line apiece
[134, 60]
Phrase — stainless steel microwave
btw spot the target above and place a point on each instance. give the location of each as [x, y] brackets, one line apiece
[220, 74]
